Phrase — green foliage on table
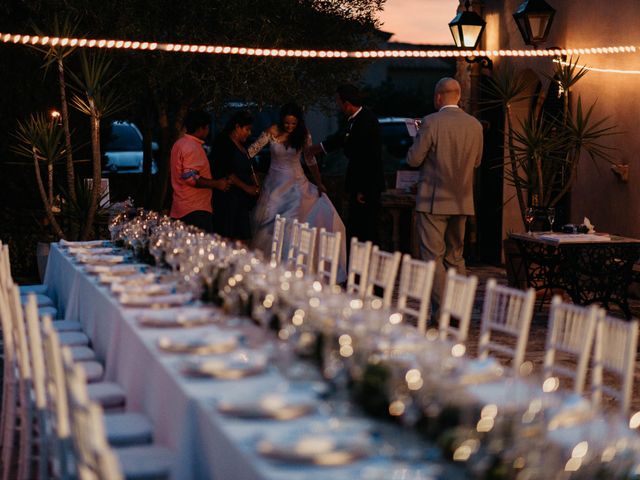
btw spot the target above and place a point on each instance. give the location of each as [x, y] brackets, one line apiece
[371, 391]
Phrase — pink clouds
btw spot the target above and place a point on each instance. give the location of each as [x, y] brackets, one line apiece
[419, 21]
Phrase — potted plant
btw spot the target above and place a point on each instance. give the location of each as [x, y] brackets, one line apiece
[543, 151]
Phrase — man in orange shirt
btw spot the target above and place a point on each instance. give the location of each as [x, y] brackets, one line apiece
[191, 175]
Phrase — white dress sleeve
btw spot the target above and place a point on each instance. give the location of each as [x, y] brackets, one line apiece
[264, 138]
[309, 159]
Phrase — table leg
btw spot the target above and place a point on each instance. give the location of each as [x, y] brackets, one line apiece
[395, 236]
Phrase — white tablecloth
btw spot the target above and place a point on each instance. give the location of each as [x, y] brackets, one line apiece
[207, 445]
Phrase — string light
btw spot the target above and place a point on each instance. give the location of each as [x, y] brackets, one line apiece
[601, 70]
[272, 52]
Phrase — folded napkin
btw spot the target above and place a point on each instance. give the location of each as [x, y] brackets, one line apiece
[89, 250]
[143, 289]
[480, 371]
[87, 244]
[155, 300]
[118, 269]
[590, 227]
[574, 410]
[100, 259]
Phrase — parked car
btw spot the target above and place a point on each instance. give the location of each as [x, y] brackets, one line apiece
[123, 150]
[395, 140]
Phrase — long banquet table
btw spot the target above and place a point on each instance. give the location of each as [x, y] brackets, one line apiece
[206, 443]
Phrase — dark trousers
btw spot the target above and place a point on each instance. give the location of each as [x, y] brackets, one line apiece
[199, 218]
[363, 218]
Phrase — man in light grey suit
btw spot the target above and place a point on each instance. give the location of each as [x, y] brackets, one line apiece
[449, 147]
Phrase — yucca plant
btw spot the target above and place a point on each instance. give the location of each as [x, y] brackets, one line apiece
[75, 211]
[40, 141]
[506, 88]
[95, 99]
[542, 154]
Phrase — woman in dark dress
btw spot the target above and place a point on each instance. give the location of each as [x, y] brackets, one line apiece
[229, 158]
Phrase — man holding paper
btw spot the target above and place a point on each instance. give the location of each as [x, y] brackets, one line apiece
[448, 146]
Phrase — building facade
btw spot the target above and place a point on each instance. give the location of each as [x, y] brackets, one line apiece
[611, 201]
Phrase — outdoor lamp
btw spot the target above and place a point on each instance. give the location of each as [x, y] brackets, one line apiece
[467, 27]
[534, 19]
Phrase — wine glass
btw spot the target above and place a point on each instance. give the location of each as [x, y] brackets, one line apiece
[529, 216]
[551, 216]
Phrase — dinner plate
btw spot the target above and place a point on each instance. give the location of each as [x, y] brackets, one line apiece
[150, 289]
[155, 301]
[239, 364]
[100, 259]
[90, 251]
[128, 279]
[83, 244]
[115, 270]
[325, 448]
[178, 319]
[277, 406]
[212, 343]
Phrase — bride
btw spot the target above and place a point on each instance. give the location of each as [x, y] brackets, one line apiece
[286, 190]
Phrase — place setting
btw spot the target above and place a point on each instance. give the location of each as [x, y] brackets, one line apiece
[213, 342]
[137, 278]
[179, 318]
[146, 300]
[149, 289]
[114, 269]
[279, 405]
[233, 366]
[328, 444]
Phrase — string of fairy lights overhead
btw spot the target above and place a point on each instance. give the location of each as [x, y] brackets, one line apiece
[600, 70]
[38, 40]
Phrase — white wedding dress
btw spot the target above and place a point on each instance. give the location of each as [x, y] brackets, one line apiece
[286, 191]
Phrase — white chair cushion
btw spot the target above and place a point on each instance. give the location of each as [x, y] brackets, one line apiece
[128, 428]
[92, 370]
[73, 339]
[144, 462]
[67, 326]
[106, 394]
[43, 300]
[80, 354]
[52, 311]
[37, 289]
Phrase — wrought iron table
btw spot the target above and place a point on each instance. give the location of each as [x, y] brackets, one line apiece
[591, 269]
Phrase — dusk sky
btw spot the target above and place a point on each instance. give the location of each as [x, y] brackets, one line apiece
[419, 21]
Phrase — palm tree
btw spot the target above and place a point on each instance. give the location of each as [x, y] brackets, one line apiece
[57, 54]
[96, 100]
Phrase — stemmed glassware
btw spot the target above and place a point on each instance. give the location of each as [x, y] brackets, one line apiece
[529, 217]
[551, 216]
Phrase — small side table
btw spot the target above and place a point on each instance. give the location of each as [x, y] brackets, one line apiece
[396, 201]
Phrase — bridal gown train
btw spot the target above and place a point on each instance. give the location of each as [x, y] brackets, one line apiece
[286, 191]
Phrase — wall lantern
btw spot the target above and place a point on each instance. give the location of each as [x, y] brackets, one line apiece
[534, 19]
[467, 27]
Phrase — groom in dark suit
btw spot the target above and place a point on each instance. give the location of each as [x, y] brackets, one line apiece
[360, 141]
